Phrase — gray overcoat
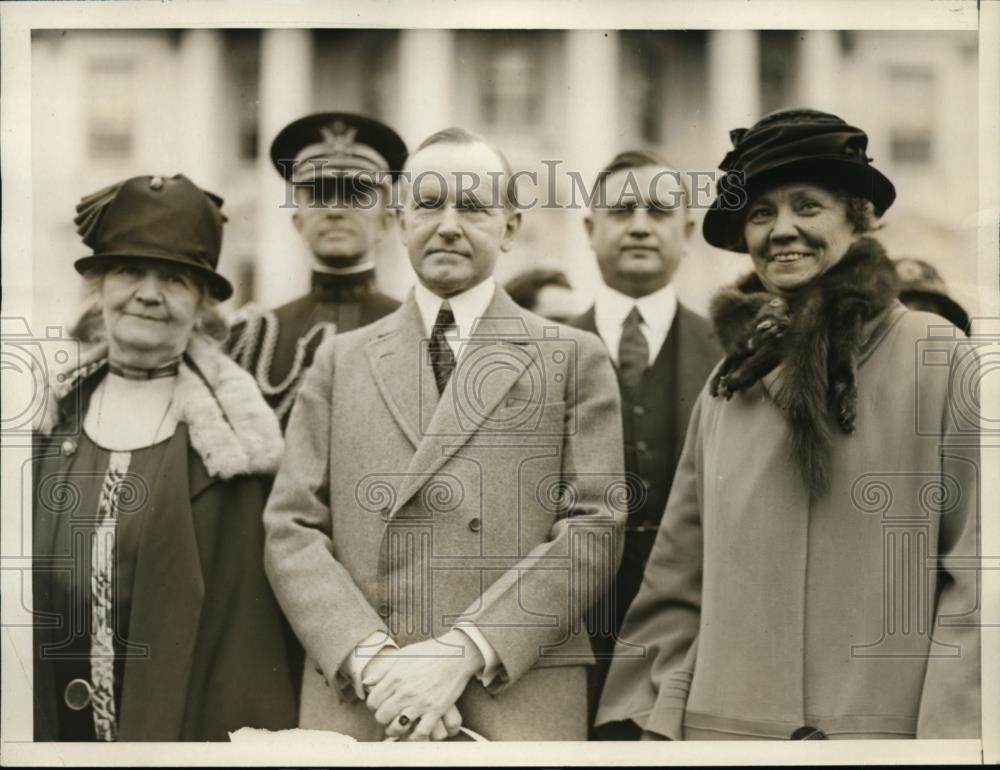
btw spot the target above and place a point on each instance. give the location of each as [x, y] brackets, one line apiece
[500, 502]
[763, 611]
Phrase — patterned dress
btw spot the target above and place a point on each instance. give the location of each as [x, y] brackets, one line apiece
[111, 495]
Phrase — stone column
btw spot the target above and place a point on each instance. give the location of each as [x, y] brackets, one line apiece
[201, 72]
[820, 73]
[426, 83]
[591, 137]
[733, 85]
[282, 259]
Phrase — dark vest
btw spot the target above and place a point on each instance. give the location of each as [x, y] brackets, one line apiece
[650, 426]
[654, 426]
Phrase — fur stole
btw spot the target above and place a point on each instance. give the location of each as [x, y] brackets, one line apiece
[817, 335]
[229, 424]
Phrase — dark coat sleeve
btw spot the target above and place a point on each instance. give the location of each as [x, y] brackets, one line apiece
[241, 675]
[651, 689]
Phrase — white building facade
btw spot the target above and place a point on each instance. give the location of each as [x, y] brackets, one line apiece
[206, 103]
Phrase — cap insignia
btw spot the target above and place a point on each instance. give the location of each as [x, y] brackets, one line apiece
[339, 137]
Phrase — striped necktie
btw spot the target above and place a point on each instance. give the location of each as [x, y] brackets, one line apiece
[633, 353]
[441, 355]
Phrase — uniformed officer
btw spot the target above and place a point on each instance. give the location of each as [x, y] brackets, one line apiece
[341, 168]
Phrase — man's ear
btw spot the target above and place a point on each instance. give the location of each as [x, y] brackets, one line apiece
[386, 219]
[400, 223]
[511, 226]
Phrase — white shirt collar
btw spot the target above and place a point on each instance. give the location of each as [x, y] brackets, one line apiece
[658, 310]
[468, 306]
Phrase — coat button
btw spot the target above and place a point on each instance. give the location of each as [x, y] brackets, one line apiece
[807, 733]
[68, 449]
[475, 525]
[77, 694]
[383, 611]
[642, 446]
[638, 410]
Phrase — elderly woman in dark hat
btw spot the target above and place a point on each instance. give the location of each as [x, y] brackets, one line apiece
[814, 571]
[154, 620]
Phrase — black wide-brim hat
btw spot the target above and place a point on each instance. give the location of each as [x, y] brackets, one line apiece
[337, 144]
[166, 219]
[799, 145]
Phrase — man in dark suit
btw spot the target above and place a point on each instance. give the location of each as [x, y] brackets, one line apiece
[639, 227]
[341, 167]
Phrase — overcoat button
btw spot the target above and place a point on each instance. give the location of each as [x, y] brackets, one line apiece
[807, 733]
[475, 525]
[68, 449]
[642, 446]
[638, 410]
[77, 694]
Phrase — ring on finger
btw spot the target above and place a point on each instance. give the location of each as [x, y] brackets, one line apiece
[403, 720]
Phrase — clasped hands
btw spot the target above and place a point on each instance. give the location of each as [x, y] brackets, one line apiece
[412, 691]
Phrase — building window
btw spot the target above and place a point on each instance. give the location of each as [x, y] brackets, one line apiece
[644, 84]
[778, 65]
[110, 109]
[512, 78]
[911, 133]
[247, 85]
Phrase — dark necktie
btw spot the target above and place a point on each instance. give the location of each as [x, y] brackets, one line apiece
[633, 352]
[441, 355]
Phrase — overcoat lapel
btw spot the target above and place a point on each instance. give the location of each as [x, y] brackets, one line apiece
[405, 382]
[491, 362]
[588, 321]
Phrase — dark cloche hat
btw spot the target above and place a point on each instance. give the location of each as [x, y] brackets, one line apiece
[918, 280]
[791, 145]
[336, 144]
[169, 219]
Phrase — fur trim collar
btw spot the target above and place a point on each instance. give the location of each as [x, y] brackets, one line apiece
[816, 335]
[229, 424]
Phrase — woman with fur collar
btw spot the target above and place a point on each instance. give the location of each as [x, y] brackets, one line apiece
[813, 575]
[151, 465]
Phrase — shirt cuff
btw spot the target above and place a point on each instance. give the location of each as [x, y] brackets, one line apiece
[492, 667]
[354, 667]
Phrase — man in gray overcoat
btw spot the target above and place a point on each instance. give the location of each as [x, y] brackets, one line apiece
[451, 500]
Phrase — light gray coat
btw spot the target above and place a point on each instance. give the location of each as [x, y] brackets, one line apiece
[762, 610]
[499, 502]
